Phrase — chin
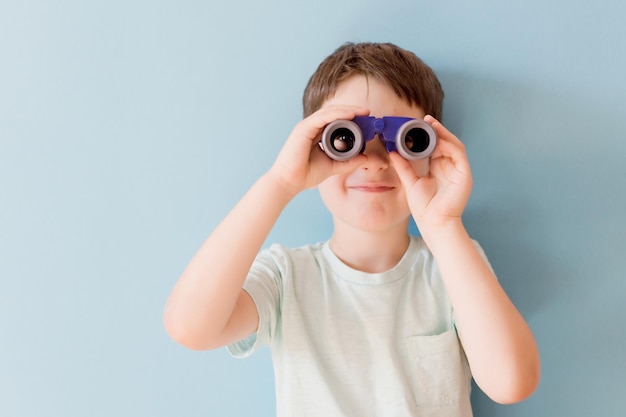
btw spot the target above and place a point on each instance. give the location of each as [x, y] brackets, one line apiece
[371, 224]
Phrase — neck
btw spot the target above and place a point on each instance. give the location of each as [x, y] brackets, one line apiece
[370, 251]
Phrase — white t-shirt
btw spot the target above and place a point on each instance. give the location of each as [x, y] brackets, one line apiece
[350, 343]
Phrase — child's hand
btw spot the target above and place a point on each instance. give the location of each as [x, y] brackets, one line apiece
[443, 194]
[301, 164]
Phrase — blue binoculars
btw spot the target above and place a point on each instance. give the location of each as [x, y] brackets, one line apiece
[412, 138]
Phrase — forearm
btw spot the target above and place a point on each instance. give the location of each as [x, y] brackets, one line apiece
[499, 345]
[205, 295]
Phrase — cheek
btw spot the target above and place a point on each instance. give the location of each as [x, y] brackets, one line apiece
[331, 190]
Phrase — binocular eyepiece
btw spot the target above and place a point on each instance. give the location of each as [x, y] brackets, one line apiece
[411, 138]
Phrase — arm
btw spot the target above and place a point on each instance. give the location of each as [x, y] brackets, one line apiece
[499, 345]
[207, 307]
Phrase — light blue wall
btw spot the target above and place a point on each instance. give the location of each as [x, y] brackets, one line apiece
[129, 128]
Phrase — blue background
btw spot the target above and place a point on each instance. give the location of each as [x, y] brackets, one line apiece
[129, 128]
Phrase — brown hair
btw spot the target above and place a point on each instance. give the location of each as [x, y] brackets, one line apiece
[410, 78]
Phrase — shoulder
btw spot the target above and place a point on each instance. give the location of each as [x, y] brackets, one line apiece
[286, 258]
[277, 250]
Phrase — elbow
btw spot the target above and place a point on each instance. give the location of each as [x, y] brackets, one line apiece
[514, 395]
[182, 334]
[516, 386]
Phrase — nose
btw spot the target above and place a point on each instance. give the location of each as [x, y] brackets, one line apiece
[377, 155]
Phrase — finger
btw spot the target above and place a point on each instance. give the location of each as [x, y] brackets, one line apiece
[448, 156]
[306, 134]
[450, 150]
[313, 125]
[442, 132]
[404, 169]
[448, 144]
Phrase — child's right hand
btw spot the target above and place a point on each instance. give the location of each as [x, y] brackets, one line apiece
[301, 164]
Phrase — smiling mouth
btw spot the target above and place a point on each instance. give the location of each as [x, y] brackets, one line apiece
[372, 188]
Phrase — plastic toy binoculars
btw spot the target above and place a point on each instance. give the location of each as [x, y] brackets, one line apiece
[412, 138]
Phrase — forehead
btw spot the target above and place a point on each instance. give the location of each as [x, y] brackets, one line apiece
[375, 95]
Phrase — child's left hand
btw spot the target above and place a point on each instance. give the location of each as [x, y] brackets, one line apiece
[443, 194]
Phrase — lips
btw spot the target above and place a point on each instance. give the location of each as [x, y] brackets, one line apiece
[372, 188]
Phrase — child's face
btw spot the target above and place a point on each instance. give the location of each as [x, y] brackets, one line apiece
[371, 198]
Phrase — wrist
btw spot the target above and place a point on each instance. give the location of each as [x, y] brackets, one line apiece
[279, 185]
[438, 234]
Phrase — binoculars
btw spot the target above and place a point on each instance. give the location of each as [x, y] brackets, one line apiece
[412, 138]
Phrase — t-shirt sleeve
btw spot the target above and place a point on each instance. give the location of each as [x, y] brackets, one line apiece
[264, 284]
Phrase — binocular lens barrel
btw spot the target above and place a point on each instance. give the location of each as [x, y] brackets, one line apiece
[416, 139]
[343, 139]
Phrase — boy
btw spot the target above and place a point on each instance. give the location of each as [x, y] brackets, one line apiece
[374, 322]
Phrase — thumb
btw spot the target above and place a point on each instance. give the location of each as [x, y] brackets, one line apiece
[405, 171]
